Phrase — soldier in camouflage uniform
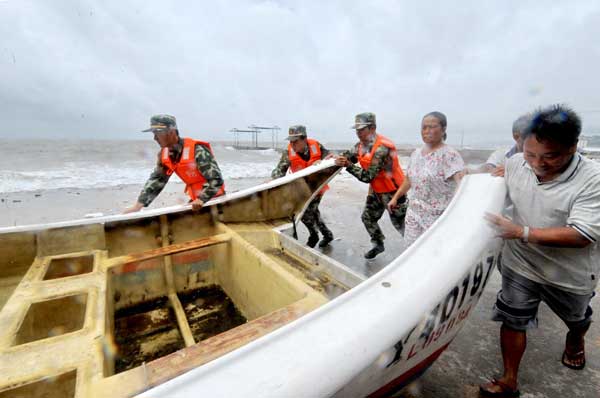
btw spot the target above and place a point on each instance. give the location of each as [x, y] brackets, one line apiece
[202, 174]
[303, 152]
[379, 167]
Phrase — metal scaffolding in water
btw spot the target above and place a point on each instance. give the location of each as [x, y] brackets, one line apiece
[254, 131]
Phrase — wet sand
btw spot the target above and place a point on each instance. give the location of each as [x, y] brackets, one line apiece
[471, 359]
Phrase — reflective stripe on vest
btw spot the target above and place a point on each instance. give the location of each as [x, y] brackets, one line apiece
[384, 181]
[187, 169]
[297, 163]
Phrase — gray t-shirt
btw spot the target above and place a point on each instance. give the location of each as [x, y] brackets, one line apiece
[499, 156]
[571, 199]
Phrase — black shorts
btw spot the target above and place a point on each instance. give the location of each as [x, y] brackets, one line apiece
[518, 301]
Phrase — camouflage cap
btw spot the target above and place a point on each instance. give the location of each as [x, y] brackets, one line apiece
[296, 132]
[162, 122]
[363, 120]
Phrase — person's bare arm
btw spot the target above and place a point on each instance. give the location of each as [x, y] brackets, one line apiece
[457, 177]
[498, 171]
[393, 203]
[136, 207]
[481, 169]
[554, 237]
[197, 204]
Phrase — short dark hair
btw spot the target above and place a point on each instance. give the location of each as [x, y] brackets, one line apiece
[556, 123]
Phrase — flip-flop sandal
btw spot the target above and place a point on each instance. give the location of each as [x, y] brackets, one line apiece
[505, 390]
[578, 355]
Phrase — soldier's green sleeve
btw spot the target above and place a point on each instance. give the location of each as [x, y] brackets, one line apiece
[282, 166]
[207, 164]
[351, 154]
[155, 184]
[378, 162]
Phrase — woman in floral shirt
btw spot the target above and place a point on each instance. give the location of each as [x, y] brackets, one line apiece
[434, 172]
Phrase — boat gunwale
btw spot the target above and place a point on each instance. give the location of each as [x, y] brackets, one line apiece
[325, 164]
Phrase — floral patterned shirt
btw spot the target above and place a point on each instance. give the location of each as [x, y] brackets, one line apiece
[432, 187]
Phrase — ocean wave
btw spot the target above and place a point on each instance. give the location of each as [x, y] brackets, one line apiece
[110, 164]
[267, 152]
[233, 171]
[84, 176]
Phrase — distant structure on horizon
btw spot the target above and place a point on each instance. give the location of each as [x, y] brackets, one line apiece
[254, 131]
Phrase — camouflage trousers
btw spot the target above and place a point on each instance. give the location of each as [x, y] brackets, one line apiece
[312, 218]
[375, 205]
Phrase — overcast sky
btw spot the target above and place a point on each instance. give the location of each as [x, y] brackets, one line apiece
[89, 69]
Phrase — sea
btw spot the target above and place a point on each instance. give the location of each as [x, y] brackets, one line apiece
[39, 165]
[34, 165]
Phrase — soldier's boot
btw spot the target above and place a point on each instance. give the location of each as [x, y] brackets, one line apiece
[375, 250]
[327, 236]
[313, 238]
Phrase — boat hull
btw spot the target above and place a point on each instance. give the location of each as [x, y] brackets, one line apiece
[417, 350]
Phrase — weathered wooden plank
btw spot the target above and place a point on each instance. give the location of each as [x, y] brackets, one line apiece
[170, 249]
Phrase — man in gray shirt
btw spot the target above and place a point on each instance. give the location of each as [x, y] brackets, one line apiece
[550, 252]
[495, 163]
[498, 157]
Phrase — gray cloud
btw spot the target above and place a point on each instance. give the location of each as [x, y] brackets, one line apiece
[84, 69]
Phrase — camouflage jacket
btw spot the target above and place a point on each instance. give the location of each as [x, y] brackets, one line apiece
[284, 163]
[207, 165]
[381, 160]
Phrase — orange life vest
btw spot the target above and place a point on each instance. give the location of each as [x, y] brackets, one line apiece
[187, 169]
[297, 163]
[384, 181]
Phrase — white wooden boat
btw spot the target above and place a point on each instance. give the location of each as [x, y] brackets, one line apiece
[222, 302]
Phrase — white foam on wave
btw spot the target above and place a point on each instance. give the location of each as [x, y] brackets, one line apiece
[84, 176]
[267, 152]
[112, 164]
[238, 170]
[71, 177]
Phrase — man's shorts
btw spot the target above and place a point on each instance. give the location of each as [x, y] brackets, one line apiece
[518, 301]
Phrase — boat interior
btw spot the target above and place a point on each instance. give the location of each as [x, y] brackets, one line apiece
[112, 309]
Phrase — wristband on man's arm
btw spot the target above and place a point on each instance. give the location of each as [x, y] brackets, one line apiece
[525, 236]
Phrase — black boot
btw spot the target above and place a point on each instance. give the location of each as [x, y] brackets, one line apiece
[313, 238]
[375, 250]
[327, 238]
